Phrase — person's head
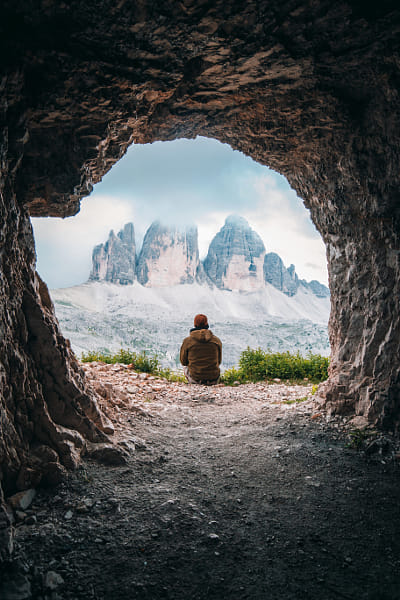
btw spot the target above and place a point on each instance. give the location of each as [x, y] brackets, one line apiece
[201, 322]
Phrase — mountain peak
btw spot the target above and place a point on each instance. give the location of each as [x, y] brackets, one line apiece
[237, 220]
[236, 256]
[169, 256]
[236, 259]
[115, 261]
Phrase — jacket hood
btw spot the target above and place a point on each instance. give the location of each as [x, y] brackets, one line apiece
[201, 335]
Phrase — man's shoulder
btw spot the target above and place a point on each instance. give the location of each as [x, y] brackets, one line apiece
[216, 340]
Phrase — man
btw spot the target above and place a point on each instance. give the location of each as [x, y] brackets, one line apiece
[201, 354]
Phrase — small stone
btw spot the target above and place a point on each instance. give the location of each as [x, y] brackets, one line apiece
[68, 515]
[20, 515]
[107, 454]
[214, 537]
[22, 500]
[52, 580]
[31, 520]
[132, 389]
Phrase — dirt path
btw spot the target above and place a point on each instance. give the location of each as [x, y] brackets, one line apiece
[227, 493]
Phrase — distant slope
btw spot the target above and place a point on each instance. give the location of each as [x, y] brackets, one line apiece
[103, 316]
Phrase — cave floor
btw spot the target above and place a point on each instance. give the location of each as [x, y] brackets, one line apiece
[227, 493]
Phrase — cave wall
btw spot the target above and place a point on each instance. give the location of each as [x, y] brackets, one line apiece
[308, 88]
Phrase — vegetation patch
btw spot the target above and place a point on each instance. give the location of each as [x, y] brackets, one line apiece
[358, 438]
[295, 400]
[260, 365]
[254, 365]
[143, 362]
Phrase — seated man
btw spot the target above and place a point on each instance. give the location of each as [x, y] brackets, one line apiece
[201, 354]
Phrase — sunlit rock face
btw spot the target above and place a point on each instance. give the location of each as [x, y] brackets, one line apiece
[115, 261]
[235, 257]
[168, 257]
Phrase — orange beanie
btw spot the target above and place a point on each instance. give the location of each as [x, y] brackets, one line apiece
[200, 321]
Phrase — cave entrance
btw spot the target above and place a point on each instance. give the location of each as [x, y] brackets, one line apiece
[192, 187]
[309, 89]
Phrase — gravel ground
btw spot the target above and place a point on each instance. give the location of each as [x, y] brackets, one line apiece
[247, 492]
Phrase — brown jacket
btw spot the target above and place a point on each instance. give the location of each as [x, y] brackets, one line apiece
[202, 353]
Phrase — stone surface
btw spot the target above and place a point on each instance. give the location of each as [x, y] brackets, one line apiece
[235, 257]
[115, 261]
[275, 272]
[107, 454]
[310, 89]
[22, 500]
[169, 256]
[262, 467]
[52, 580]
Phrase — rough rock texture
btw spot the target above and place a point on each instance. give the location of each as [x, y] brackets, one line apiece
[115, 261]
[318, 289]
[168, 256]
[275, 272]
[309, 88]
[47, 411]
[171, 257]
[235, 257]
[286, 279]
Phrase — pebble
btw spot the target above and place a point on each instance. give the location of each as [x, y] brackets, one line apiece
[22, 500]
[52, 580]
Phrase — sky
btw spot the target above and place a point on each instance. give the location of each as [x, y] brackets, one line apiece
[184, 182]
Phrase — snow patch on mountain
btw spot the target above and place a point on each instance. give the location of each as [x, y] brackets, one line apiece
[103, 316]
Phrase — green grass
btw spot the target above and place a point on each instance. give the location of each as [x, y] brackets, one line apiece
[358, 438]
[295, 400]
[258, 365]
[254, 365]
[142, 362]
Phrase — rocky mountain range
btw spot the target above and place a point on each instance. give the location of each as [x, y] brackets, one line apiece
[236, 260]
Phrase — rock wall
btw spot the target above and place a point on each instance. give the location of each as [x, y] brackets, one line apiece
[286, 279]
[47, 411]
[275, 272]
[115, 261]
[310, 89]
[235, 257]
[168, 256]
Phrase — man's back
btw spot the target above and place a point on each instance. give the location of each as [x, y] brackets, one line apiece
[201, 351]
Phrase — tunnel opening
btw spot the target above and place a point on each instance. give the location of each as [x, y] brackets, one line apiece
[268, 80]
[174, 198]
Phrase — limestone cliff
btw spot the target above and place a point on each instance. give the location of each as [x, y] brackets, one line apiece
[275, 272]
[235, 257]
[115, 260]
[169, 256]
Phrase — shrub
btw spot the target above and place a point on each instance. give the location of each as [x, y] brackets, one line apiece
[253, 364]
[143, 361]
[171, 375]
[258, 365]
[231, 376]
